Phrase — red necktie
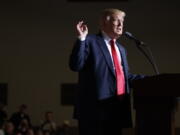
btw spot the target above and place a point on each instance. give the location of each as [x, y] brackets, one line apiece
[120, 82]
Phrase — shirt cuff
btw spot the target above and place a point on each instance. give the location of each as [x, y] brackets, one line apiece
[82, 38]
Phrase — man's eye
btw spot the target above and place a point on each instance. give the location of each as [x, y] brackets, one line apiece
[115, 21]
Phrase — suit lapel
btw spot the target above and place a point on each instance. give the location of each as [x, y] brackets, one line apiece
[106, 53]
[121, 53]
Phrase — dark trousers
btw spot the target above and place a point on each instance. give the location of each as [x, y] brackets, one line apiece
[109, 117]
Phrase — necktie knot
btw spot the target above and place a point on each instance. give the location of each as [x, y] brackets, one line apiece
[112, 42]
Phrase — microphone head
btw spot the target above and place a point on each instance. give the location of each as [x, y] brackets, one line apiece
[128, 34]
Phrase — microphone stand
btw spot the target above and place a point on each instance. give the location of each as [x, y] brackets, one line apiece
[150, 57]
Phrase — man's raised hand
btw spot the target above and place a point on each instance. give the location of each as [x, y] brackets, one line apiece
[82, 29]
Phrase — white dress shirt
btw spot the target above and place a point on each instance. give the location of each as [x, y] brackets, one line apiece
[107, 40]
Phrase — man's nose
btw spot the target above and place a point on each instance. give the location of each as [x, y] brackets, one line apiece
[119, 23]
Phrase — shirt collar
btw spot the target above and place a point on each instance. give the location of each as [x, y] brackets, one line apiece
[106, 37]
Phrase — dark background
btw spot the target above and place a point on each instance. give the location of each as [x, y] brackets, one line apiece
[36, 38]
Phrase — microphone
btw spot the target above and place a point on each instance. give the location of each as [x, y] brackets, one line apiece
[130, 36]
[139, 45]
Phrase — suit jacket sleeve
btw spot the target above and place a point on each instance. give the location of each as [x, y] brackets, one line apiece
[79, 55]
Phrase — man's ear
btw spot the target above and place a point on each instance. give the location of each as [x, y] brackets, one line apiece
[108, 18]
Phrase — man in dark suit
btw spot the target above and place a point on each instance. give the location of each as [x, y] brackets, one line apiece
[100, 108]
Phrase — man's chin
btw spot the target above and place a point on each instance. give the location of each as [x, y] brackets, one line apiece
[119, 34]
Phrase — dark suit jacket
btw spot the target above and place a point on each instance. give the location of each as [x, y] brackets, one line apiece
[97, 80]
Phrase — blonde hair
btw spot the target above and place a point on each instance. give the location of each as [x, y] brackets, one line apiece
[107, 13]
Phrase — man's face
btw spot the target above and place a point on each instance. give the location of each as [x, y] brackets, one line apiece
[113, 25]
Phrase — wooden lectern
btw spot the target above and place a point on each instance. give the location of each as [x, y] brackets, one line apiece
[155, 103]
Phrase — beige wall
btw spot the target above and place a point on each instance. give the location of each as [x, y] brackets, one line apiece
[36, 39]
